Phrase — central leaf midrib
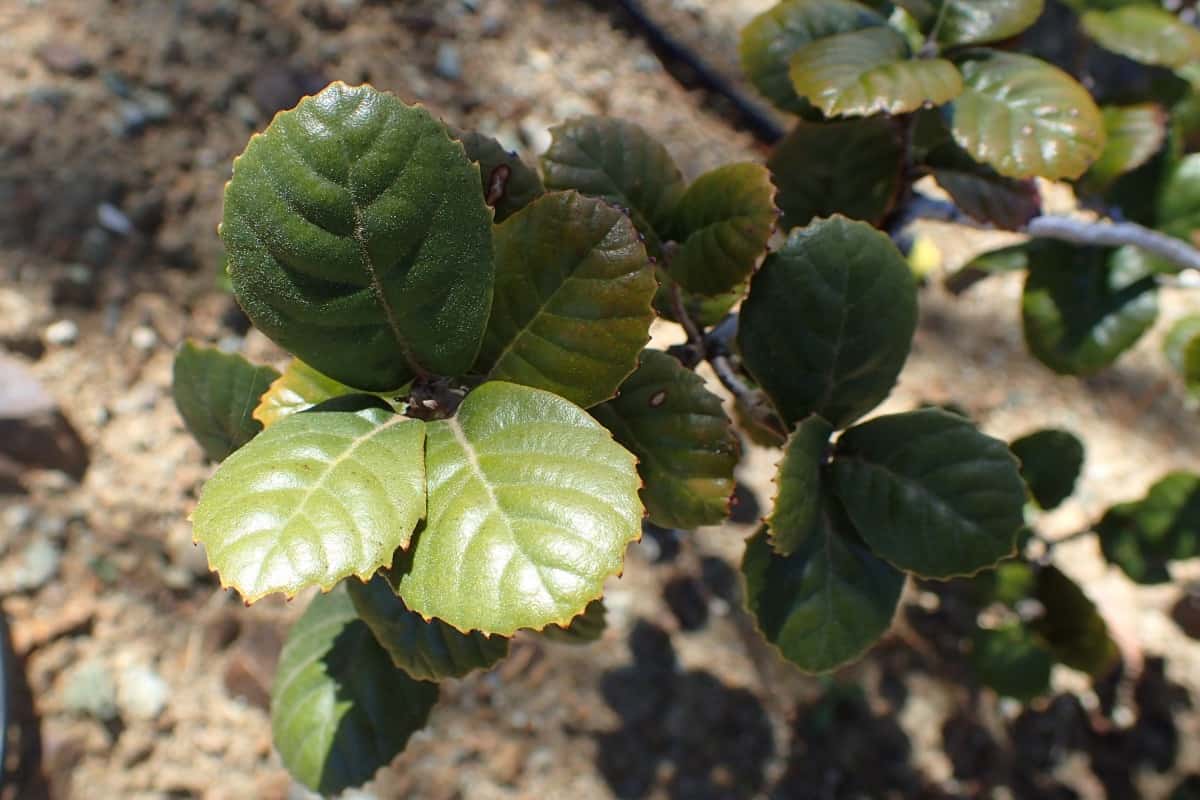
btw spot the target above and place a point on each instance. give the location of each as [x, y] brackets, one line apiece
[541, 309]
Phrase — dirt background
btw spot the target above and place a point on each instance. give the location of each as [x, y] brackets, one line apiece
[138, 678]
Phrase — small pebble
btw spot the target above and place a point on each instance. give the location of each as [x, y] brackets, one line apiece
[143, 693]
[448, 65]
[63, 333]
[144, 338]
[114, 219]
[90, 690]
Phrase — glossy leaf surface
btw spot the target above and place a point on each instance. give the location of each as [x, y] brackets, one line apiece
[1051, 461]
[773, 37]
[315, 498]
[685, 445]
[621, 163]
[531, 506]
[339, 709]
[1135, 133]
[1144, 536]
[868, 72]
[723, 223]
[829, 321]
[355, 225]
[982, 21]
[849, 167]
[1025, 118]
[1080, 312]
[573, 292]
[428, 651]
[1146, 34]
[827, 603]
[798, 500]
[929, 492]
[215, 394]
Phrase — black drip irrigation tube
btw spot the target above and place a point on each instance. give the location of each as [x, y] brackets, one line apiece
[755, 117]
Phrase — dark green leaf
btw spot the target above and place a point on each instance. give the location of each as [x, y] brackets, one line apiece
[315, 498]
[1009, 583]
[850, 167]
[773, 37]
[216, 394]
[1179, 200]
[1135, 134]
[1146, 34]
[1006, 259]
[870, 71]
[829, 321]
[358, 239]
[797, 507]
[1080, 312]
[339, 709]
[1025, 118]
[1011, 661]
[723, 222]
[584, 629]
[685, 446]
[509, 184]
[930, 493]
[982, 21]
[427, 650]
[704, 311]
[619, 162]
[986, 196]
[1071, 627]
[1051, 460]
[531, 506]
[828, 602]
[573, 291]
[1142, 537]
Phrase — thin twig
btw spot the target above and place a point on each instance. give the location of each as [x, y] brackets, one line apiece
[695, 338]
[1116, 234]
[749, 399]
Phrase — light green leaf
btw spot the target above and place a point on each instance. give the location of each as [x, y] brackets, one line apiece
[930, 493]
[1135, 133]
[723, 222]
[1144, 536]
[1079, 311]
[850, 167]
[358, 239]
[573, 293]
[773, 37]
[1182, 347]
[339, 709]
[870, 71]
[426, 650]
[1011, 661]
[685, 446]
[982, 21]
[315, 498]
[829, 321]
[531, 506]
[797, 507]
[828, 602]
[215, 394]
[1146, 34]
[1071, 627]
[1025, 118]
[509, 184]
[584, 629]
[618, 162]
[1051, 461]
[299, 387]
